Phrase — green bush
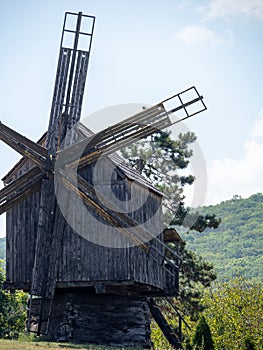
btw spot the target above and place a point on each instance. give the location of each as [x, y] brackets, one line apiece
[12, 310]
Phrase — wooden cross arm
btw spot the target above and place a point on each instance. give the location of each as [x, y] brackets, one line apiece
[132, 129]
[20, 189]
[114, 138]
[27, 148]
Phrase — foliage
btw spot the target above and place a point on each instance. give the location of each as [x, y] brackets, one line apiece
[236, 247]
[202, 338]
[195, 275]
[158, 339]
[161, 160]
[234, 312]
[12, 311]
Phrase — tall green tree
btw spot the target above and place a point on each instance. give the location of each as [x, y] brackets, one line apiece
[161, 159]
[202, 338]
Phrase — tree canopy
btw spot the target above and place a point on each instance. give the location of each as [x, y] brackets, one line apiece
[236, 247]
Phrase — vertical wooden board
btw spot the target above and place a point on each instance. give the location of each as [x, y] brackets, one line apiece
[9, 247]
[23, 240]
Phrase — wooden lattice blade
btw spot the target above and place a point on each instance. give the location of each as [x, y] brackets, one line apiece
[111, 139]
[132, 129]
[27, 148]
[21, 192]
[20, 182]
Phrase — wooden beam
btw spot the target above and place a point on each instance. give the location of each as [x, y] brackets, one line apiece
[20, 183]
[130, 130]
[86, 152]
[27, 148]
[24, 192]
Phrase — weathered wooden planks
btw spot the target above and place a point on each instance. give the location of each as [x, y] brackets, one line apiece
[99, 319]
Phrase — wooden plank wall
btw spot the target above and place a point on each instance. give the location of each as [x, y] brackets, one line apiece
[21, 224]
[82, 260]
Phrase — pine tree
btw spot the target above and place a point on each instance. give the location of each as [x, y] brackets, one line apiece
[202, 338]
[159, 158]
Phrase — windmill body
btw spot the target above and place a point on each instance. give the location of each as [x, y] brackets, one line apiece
[89, 279]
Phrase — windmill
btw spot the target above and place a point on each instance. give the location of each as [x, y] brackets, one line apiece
[84, 288]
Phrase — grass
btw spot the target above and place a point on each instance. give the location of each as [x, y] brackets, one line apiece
[23, 344]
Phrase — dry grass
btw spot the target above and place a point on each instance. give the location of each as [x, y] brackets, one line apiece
[32, 345]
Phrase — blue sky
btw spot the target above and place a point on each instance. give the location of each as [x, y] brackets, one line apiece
[144, 51]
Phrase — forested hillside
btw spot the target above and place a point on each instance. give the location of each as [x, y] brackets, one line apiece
[236, 247]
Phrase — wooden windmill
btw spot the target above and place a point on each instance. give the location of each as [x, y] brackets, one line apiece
[81, 290]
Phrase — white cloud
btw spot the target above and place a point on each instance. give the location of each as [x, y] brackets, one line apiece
[242, 176]
[202, 35]
[257, 129]
[233, 8]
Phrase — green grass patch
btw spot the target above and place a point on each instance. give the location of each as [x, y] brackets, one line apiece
[32, 344]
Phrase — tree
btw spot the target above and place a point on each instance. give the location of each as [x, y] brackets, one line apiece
[195, 275]
[12, 310]
[234, 310]
[160, 159]
[202, 338]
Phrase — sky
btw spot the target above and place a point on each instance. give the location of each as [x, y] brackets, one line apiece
[143, 52]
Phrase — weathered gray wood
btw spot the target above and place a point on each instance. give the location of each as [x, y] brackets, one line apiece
[104, 320]
[44, 238]
[19, 182]
[5, 131]
[27, 148]
[22, 192]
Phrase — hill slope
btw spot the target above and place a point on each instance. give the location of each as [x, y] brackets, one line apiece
[236, 247]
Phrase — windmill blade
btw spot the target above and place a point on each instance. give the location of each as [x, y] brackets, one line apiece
[70, 79]
[27, 148]
[20, 189]
[121, 221]
[65, 112]
[20, 182]
[132, 129]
